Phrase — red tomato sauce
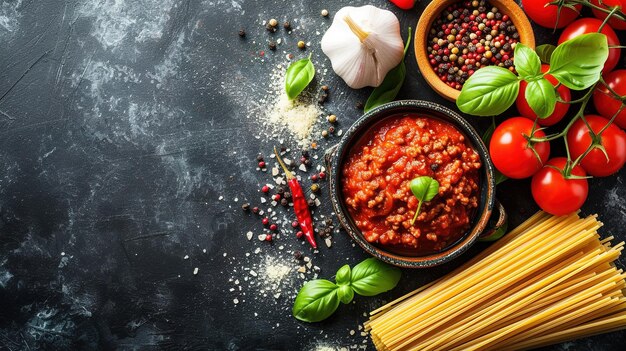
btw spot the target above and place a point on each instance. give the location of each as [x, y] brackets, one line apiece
[377, 174]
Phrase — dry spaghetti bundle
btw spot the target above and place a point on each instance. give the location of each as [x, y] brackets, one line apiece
[549, 280]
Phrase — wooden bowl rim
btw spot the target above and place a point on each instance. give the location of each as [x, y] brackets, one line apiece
[508, 7]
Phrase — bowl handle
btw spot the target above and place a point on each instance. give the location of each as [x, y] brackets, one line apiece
[497, 225]
[329, 155]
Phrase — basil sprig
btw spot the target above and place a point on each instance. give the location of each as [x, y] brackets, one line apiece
[298, 76]
[318, 299]
[576, 63]
[389, 88]
[424, 189]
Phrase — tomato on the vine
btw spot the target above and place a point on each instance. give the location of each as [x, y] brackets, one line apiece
[591, 25]
[559, 110]
[511, 151]
[607, 4]
[608, 104]
[613, 139]
[545, 16]
[555, 194]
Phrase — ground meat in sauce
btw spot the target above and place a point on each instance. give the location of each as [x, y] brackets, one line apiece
[376, 181]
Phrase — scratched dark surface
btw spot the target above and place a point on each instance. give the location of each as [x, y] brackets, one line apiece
[122, 123]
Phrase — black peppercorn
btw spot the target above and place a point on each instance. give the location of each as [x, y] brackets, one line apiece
[259, 158]
[298, 255]
[328, 221]
[245, 206]
[272, 45]
[359, 105]
[284, 202]
[242, 33]
[280, 190]
[287, 195]
[310, 202]
[287, 25]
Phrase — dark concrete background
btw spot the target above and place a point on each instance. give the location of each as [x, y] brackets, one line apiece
[127, 131]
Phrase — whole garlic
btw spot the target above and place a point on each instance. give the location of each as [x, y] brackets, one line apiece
[363, 44]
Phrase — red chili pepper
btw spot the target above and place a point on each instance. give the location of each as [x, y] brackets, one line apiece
[404, 4]
[300, 206]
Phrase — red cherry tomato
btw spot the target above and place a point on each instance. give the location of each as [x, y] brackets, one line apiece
[612, 139]
[559, 110]
[404, 4]
[545, 16]
[555, 194]
[510, 151]
[591, 25]
[607, 4]
[606, 103]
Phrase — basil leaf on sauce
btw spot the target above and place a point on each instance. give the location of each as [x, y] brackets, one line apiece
[425, 189]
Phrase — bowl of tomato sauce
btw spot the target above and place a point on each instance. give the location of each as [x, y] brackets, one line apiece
[371, 169]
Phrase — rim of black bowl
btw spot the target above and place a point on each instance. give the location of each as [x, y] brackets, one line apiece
[430, 109]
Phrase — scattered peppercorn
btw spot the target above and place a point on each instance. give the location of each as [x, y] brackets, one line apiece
[268, 237]
[273, 22]
[255, 209]
[324, 13]
[310, 202]
[314, 177]
[265, 221]
[322, 175]
[332, 118]
[272, 45]
[295, 224]
[325, 87]
[280, 190]
[325, 133]
[328, 221]
[242, 33]
[331, 129]
[301, 44]
[298, 254]
[245, 206]
[359, 105]
[273, 227]
[259, 158]
[265, 189]
[299, 234]
[287, 25]
[270, 28]
[315, 188]
[284, 202]
[262, 164]
[287, 195]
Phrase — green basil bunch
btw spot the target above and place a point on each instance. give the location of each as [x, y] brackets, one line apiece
[576, 63]
[318, 299]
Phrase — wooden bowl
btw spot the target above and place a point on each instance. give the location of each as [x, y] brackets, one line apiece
[430, 14]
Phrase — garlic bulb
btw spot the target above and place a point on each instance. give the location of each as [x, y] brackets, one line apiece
[363, 44]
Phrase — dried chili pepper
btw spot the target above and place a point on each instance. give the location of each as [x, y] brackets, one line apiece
[300, 206]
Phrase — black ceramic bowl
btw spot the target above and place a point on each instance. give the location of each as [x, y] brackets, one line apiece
[336, 156]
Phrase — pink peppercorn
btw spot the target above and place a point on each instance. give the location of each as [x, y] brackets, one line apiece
[273, 227]
[265, 189]
[268, 237]
[262, 164]
[265, 221]
[299, 235]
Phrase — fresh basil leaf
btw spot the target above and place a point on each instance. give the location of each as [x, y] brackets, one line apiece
[389, 88]
[488, 92]
[578, 62]
[343, 275]
[545, 52]
[316, 301]
[424, 188]
[372, 277]
[541, 97]
[527, 62]
[345, 294]
[298, 76]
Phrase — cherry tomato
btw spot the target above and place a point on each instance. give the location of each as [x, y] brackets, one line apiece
[607, 4]
[559, 110]
[545, 16]
[612, 139]
[606, 103]
[510, 151]
[591, 25]
[404, 4]
[555, 194]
